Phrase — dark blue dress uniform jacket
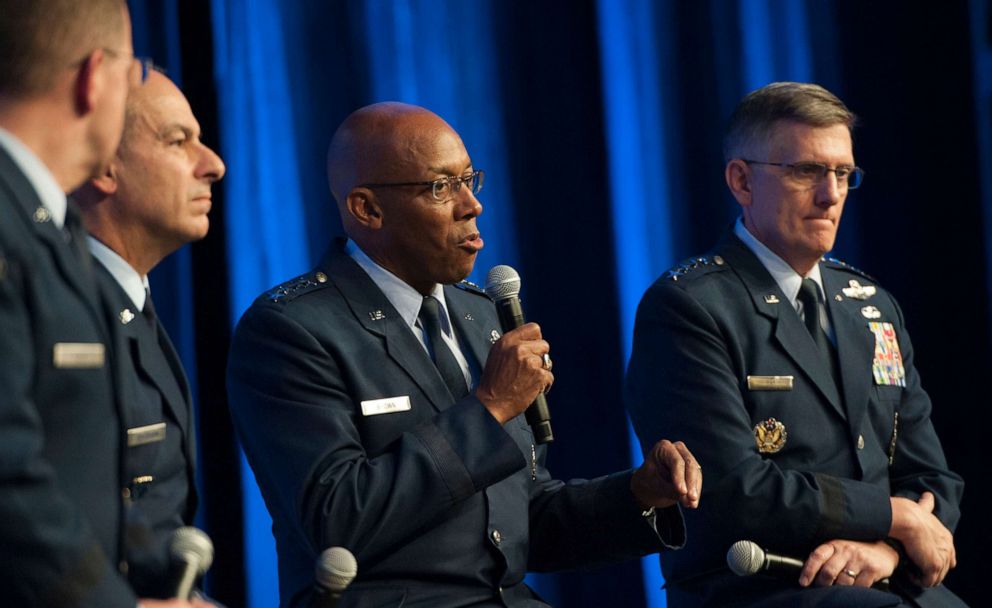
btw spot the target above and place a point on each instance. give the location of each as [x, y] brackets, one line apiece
[61, 436]
[437, 502]
[159, 475]
[701, 330]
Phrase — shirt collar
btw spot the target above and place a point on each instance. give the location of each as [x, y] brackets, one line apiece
[38, 175]
[788, 279]
[405, 299]
[133, 284]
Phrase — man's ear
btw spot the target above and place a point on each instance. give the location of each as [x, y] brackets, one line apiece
[364, 207]
[738, 176]
[89, 82]
[106, 183]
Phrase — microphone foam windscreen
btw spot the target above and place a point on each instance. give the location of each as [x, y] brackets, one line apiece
[188, 541]
[502, 282]
[336, 568]
[745, 558]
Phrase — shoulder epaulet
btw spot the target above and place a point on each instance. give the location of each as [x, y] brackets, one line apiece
[471, 287]
[687, 267]
[845, 266]
[294, 288]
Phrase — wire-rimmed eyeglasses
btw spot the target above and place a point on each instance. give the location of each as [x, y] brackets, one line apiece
[442, 188]
[811, 174]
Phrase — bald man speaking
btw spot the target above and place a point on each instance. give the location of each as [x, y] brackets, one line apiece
[381, 409]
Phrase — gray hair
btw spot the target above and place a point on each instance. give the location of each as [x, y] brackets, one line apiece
[757, 115]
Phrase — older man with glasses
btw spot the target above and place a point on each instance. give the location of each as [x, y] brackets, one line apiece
[793, 378]
[381, 409]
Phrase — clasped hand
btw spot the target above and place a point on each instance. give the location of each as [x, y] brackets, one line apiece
[929, 545]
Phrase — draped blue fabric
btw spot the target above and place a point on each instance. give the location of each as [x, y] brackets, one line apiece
[598, 124]
[981, 42]
[266, 237]
[455, 75]
[633, 53]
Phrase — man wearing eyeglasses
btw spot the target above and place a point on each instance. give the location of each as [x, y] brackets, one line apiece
[65, 73]
[380, 408]
[793, 378]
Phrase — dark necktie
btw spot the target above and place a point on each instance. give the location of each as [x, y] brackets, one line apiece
[809, 295]
[447, 365]
[148, 312]
[75, 235]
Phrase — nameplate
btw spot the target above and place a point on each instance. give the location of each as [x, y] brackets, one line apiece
[141, 435]
[78, 355]
[769, 383]
[389, 405]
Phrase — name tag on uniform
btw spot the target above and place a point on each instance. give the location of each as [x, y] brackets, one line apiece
[769, 383]
[141, 435]
[78, 355]
[389, 405]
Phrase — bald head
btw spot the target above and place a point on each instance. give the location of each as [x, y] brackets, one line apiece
[381, 163]
[381, 143]
[157, 95]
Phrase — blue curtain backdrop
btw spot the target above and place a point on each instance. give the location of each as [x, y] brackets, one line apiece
[599, 125]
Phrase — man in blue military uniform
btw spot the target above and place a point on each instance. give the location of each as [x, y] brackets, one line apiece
[65, 72]
[153, 198]
[793, 378]
[380, 408]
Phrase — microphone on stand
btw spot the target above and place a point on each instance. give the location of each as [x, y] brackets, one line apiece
[503, 287]
[336, 568]
[192, 553]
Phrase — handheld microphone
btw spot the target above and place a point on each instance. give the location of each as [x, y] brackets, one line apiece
[335, 569]
[746, 558]
[192, 552]
[503, 287]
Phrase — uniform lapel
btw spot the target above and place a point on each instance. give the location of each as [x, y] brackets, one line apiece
[789, 331]
[75, 270]
[153, 360]
[471, 326]
[857, 345]
[373, 310]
